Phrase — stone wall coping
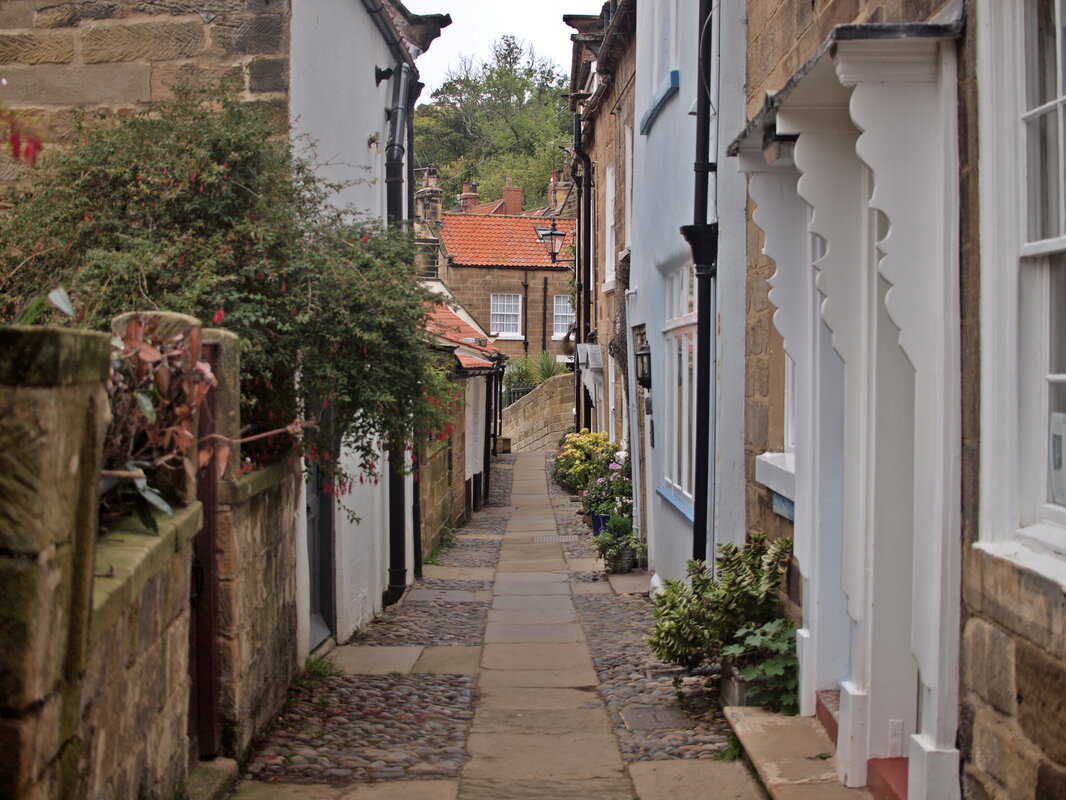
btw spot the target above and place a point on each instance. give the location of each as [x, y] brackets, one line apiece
[127, 557]
[38, 356]
[240, 491]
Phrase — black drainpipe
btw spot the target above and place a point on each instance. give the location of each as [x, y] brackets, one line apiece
[490, 380]
[703, 239]
[394, 205]
[585, 256]
[579, 184]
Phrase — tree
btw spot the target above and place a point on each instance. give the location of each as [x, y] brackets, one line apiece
[494, 119]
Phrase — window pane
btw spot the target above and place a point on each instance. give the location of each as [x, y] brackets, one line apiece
[1057, 316]
[1057, 482]
[1043, 166]
[1041, 66]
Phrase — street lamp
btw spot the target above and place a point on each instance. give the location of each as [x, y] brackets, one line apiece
[553, 241]
[642, 365]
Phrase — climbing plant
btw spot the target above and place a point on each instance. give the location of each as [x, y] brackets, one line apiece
[201, 205]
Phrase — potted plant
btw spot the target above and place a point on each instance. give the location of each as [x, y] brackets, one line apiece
[618, 545]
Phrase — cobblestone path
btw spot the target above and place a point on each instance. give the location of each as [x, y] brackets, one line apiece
[513, 669]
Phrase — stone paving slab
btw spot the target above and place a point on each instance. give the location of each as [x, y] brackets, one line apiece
[392, 790]
[367, 660]
[534, 565]
[501, 721]
[537, 656]
[636, 582]
[458, 573]
[536, 678]
[448, 661]
[511, 549]
[502, 576]
[531, 602]
[584, 564]
[502, 633]
[532, 616]
[676, 779]
[517, 588]
[593, 789]
[518, 699]
[520, 756]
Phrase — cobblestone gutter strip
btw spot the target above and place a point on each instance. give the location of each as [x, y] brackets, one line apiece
[427, 623]
[470, 552]
[454, 584]
[501, 478]
[369, 728]
[616, 628]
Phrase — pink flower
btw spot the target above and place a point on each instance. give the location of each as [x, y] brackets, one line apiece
[219, 316]
[600, 480]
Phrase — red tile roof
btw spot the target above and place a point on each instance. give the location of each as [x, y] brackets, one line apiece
[446, 324]
[491, 207]
[497, 240]
[472, 362]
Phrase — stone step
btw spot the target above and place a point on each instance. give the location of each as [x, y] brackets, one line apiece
[827, 710]
[793, 756]
[886, 778]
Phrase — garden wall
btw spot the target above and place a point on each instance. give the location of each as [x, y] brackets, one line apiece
[537, 421]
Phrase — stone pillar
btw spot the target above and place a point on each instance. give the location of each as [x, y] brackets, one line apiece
[53, 415]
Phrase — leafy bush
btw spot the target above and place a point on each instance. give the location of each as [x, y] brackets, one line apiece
[766, 657]
[201, 206]
[695, 620]
[584, 457]
[532, 370]
[611, 492]
[615, 540]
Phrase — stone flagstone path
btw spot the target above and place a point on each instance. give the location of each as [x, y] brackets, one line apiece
[513, 670]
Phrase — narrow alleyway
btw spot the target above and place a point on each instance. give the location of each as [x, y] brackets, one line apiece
[513, 669]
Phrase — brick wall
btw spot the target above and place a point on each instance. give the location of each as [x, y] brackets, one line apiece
[118, 54]
[473, 287]
[536, 422]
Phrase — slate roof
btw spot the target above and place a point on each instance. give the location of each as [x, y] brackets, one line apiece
[497, 240]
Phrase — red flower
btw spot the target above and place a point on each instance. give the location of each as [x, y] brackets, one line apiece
[366, 238]
[219, 316]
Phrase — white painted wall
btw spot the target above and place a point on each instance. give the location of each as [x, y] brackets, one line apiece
[337, 107]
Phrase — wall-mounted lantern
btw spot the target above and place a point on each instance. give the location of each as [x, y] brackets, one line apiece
[642, 366]
[553, 241]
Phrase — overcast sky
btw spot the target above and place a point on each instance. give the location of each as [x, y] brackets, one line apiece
[476, 24]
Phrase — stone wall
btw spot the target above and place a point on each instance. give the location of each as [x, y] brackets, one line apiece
[118, 54]
[442, 478]
[538, 420]
[53, 413]
[1014, 682]
[473, 287]
[256, 562]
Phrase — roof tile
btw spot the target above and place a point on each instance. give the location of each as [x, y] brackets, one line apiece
[498, 240]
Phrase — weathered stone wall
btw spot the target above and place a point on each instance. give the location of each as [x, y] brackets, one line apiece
[1014, 682]
[473, 287]
[111, 55]
[256, 563]
[53, 412]
[442, 477]
[135, 696]
[783, 36]
[537, 421]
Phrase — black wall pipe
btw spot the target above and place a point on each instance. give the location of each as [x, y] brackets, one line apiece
[585, 253]
[544, 320]
[703, 239]
[579, 184]
[486, 461]
[399, 134]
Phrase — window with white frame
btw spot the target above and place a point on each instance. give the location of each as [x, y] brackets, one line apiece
[609, 254]
[564, 316]
[1023, 273]
[680, 340]
[507, 316]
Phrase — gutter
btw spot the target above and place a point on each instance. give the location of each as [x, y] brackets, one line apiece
[584, 265]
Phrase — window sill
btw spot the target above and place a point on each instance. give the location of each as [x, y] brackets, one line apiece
[1029, 552]
[678, 502]
[777, 472]
[608, 286]
[666, 90]
[509, 337]
[558, 337]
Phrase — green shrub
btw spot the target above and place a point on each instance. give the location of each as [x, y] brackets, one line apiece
[532, 370]
[201, 206]
[765, 657]
[584, 457]
[695, 620]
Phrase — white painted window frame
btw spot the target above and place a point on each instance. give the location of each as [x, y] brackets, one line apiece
[493, 314]
[680, 327]
[1015, 521]
[559, 331]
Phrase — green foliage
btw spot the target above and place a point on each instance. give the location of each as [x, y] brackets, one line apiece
[695, 620]
[201, 206]
[315, 669]
[505, 117]
[610, 492]
[766, 657]
[584, 457]
[616, 541]
[732, 750]
[532, 370]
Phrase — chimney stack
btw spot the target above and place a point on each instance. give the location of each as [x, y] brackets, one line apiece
[469, 198]
[428, 198]
[512, 198]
